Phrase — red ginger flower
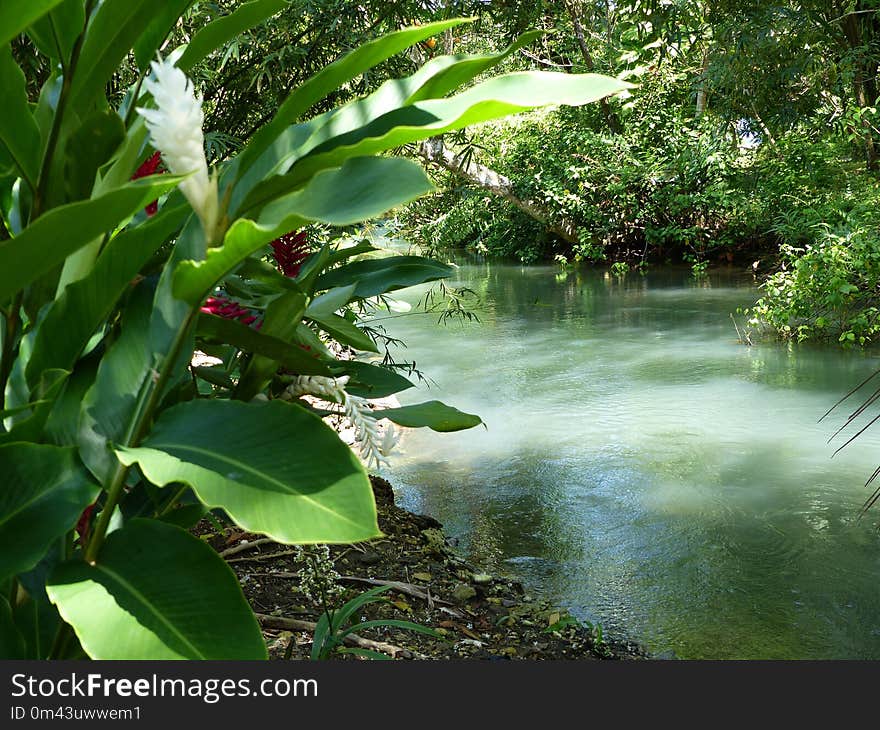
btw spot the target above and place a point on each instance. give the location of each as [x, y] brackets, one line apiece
[150, 166]
[226, 308]
[84, 523]
[290, 251]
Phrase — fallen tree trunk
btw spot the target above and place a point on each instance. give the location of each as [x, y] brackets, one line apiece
[436, 152]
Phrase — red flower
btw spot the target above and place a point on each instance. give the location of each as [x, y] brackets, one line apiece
[83, 524]
[149, 167]
[226, 308]
[290, 251]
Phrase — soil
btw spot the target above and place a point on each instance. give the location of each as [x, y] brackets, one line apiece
[476, 616]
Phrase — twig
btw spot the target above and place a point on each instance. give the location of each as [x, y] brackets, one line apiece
[245, 546]
[295, 624]
[407, 588]
[743, 337]
[267, 556]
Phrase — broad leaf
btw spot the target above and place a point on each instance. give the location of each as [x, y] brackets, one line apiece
[17, 15]
[113, 30]
[164, 18]
[219, 32]
[343, 331]
[360, 189]
[332, 77]
[47, 390]
[331, 301]
[19, 134]
[89, 147]
[274, 467]
[433, 414]
[44, 491]
[55, 34]
[12, 643]
[329, 140]
[83, 305]
[124, 371]
[156, 592]
[57, 234]
[377, 276]
[250, 340]
[371, 381]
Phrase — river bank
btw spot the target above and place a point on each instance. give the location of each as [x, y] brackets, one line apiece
[478, 616]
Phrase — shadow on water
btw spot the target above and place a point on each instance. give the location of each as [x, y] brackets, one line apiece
[645, 469]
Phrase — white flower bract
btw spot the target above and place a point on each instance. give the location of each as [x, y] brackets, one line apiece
[373, 447]
[176, 131]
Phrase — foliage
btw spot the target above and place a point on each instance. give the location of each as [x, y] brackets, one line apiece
[335, 624]
[705, 161]
[112, 278]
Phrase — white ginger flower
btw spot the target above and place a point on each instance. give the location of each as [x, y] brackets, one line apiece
[389, 440]
[176, 131]
[374, 448]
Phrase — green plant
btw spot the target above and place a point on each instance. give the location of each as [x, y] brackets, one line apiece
[620, 268]
[700, 269]
[335, 624]
[114, 441]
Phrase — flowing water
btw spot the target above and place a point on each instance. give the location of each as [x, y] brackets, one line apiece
[643, 468]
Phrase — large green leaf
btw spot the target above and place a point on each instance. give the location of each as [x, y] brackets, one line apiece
[108, 405]
[88, 148]
[329, 140]
[274, 467]
[44, 491]
[19, 133]
[282, 319]
[55, 34]
[12, 644]
[47, 390]
[84, 305]
[433, 414]
[377, 276]
[343, 331]
[162, 22]
[245, 338]
[60, 232]
[371, 381]
[360, 189]
[17, 15]
[219, 32]
[328, 80]
[113, 30]
[156, 592]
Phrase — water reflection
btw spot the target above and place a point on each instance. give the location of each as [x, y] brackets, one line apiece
[645, 469]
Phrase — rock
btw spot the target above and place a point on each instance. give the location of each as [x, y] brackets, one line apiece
[424, 577]
[435, 541]
[463, 592]
[481, 579]
[368, 558]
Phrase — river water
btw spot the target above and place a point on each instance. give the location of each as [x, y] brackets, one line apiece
[645, 470]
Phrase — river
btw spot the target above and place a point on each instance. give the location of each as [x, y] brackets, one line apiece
[643, 468]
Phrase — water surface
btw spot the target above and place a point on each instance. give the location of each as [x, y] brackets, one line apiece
[643, 468]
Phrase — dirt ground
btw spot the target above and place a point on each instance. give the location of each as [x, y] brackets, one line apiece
[476, 616]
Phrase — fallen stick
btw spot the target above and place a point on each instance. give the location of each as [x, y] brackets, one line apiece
[267, 556]
[407, 588]
[245, 546]
[295, 624]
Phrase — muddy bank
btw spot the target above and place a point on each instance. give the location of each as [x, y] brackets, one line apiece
[478, 616]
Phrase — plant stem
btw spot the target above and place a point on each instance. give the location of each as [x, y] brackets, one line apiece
[55, 132]
[149, 400]
[10, 336]
[174, 500]
[62, 638]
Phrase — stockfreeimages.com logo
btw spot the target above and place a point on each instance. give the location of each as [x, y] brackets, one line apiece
[208, 690]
